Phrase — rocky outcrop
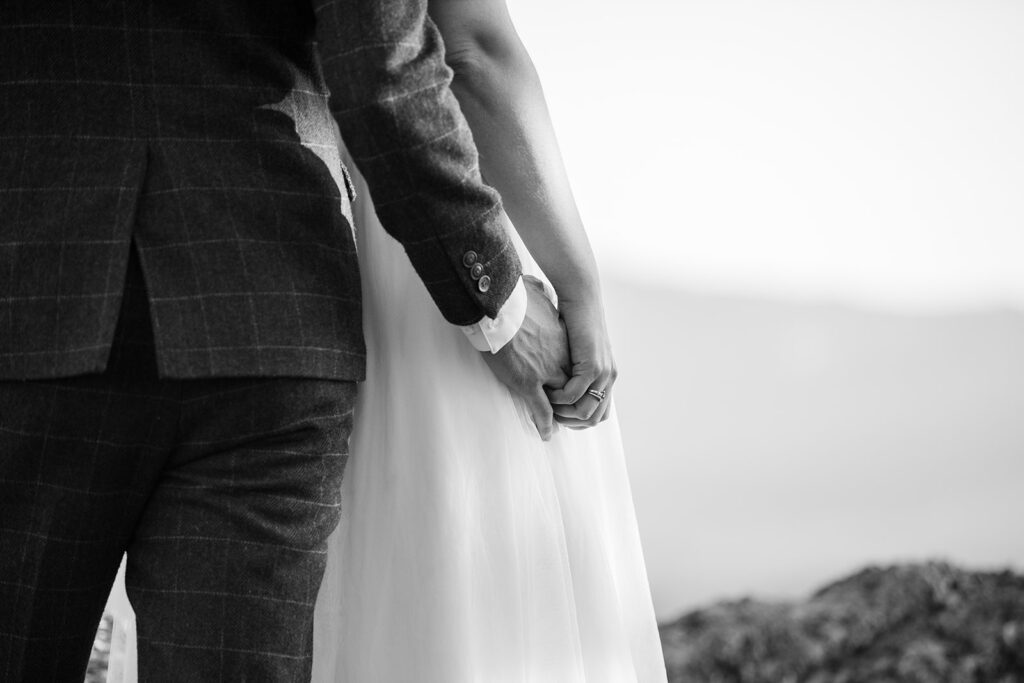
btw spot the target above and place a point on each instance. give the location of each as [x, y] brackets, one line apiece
[906, 624]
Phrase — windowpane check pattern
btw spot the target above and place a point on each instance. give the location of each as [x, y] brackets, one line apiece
[183, 128]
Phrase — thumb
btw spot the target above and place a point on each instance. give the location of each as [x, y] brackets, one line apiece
[542, 414]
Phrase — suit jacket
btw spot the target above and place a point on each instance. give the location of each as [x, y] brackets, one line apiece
[194, 130]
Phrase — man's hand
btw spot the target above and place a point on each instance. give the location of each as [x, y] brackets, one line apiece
[535, 358]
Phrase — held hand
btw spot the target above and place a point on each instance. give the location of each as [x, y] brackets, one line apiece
[593, 368]
[535, 358]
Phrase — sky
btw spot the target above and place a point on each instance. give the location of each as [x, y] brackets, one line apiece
[865, 151]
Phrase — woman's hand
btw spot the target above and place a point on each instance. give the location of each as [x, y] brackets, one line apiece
[593, 367]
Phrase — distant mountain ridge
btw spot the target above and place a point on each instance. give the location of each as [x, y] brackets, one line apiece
[773, 444]
[918, 623]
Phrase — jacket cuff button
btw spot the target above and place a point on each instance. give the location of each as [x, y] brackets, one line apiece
[484, 283]
[469, 258]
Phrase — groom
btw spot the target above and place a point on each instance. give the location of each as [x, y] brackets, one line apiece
[180, 316]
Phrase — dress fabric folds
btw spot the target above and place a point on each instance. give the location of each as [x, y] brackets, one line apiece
[470, 550]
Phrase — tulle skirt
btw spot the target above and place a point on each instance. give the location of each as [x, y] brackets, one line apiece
[470, 550]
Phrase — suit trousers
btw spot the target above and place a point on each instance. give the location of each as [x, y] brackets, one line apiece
[222, 491]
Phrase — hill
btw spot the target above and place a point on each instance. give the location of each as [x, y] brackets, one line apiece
[920, 623]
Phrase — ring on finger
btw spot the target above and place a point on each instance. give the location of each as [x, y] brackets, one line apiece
[597, 393]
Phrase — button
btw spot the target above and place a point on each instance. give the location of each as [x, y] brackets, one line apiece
[469, 258]
[476, 271]
[484, 283]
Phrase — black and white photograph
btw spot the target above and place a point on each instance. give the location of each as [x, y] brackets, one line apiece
[511, 341]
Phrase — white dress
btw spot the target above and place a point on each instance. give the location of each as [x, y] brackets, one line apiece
[470, 551]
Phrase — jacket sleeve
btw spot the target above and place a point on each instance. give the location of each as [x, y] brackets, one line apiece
[383, 61]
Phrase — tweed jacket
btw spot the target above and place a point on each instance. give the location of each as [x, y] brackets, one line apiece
[200, 133]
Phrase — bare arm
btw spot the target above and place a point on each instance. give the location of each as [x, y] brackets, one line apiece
[501, 97]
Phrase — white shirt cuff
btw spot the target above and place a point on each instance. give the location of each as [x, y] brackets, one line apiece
[491, 334]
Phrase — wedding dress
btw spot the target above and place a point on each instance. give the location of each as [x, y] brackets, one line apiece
[469, 550]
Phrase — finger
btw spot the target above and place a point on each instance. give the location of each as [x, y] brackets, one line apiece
[542, 414]
[573, 390]
[581, 410]
[556, 382]
[588, 403]
[573, 423]
[602, 412]
[598, 416]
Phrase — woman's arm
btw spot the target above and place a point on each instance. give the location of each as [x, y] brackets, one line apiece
[501, 97]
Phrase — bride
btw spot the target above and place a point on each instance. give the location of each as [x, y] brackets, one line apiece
[470, 549]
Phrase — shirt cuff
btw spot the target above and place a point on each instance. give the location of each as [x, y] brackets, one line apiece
[490, 334]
